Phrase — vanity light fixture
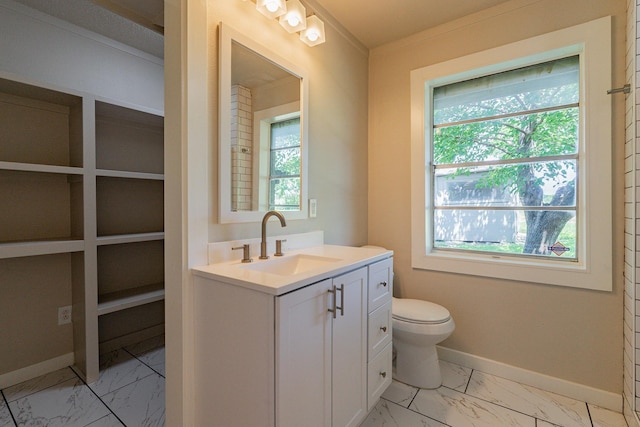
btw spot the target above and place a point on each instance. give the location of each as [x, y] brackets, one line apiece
[271, 8]
[314, 33]
[292, 17]
[295, 19]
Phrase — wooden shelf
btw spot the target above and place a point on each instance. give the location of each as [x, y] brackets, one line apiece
[131, 175]
[34, 167]
[129, 238]
[39, 247]
[129, 298]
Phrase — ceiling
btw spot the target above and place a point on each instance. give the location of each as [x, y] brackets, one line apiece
[376, 22]
[137, 23]
[373, 23]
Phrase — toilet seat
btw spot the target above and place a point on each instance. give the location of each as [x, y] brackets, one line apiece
[419, 311]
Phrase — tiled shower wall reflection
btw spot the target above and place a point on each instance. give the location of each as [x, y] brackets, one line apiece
[241, 152]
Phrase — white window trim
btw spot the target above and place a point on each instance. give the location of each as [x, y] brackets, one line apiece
[592, 41]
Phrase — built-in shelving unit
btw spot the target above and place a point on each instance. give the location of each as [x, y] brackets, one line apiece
[129, 220]
[40, 171]
[84, 177]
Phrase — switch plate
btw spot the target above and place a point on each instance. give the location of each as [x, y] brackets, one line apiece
[313, 208]
[64, 315]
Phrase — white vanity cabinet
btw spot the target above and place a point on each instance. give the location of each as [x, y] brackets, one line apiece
[302, 357]
[321, 355]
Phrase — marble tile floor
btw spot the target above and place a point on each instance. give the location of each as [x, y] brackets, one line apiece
[130, 392]
[470, 398]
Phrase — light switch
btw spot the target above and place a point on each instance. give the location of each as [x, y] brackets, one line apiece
[313, 208]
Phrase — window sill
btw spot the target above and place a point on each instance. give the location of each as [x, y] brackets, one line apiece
[550, 272]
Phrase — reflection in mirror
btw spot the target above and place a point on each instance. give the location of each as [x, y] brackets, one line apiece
[262, 132]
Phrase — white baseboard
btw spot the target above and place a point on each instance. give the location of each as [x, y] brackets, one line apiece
[602, 398]
[29, 372]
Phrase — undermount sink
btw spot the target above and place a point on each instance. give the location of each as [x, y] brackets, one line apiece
[291, 265]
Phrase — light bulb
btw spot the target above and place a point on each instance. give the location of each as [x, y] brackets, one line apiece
[293, 19]
[272, 6]
[313, 35]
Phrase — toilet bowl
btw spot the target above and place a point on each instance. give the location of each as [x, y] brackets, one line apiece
[417, 327]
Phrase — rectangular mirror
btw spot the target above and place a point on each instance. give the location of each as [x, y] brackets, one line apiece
[263, 132]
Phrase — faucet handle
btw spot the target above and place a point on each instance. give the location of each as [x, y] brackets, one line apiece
[279, 247]
[246, 253]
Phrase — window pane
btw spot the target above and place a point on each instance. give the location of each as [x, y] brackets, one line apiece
[285, 134]
[539, 86]
[550, 133]
[515, 185]
[284, 194]
[285, 162]
[507, 232]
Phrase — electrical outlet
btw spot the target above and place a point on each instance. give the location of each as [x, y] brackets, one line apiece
[64, 315]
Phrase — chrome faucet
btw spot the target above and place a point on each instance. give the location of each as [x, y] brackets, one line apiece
[263, 244]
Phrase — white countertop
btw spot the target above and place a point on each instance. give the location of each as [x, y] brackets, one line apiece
[349, 258]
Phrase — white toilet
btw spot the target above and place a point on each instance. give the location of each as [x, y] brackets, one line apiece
[417, 327]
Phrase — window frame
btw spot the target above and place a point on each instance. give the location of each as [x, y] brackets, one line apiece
[271, 151]
[593, 270]
[262, 120]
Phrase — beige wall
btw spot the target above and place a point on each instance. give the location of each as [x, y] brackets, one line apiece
[567, 333]
[337, 119]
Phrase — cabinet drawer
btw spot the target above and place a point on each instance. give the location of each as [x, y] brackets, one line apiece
[379, 329]
[379, 376]
[380, 283]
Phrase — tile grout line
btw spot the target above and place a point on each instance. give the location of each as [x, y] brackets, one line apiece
[143, 362]
[515, 410]
[414, 398]
[100, 399]
[414, 411]
[589, 413]
[479, 398]
[31, 393]
[6, 402]
[466, 387]
[494, 403]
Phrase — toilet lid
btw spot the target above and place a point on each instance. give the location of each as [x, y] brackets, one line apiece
[419, 311]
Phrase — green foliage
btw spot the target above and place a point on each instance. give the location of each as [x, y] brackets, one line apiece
[528, 136]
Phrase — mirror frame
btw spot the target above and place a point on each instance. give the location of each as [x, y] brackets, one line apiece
[226, 215]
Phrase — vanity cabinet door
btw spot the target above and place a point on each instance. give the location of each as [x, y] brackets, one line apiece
[350, 350]
[321, 353]
[303, 357]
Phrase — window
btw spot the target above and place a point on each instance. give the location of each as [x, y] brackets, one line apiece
[505, 155]
[511, 161]
[279, 160]
[284, 170]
